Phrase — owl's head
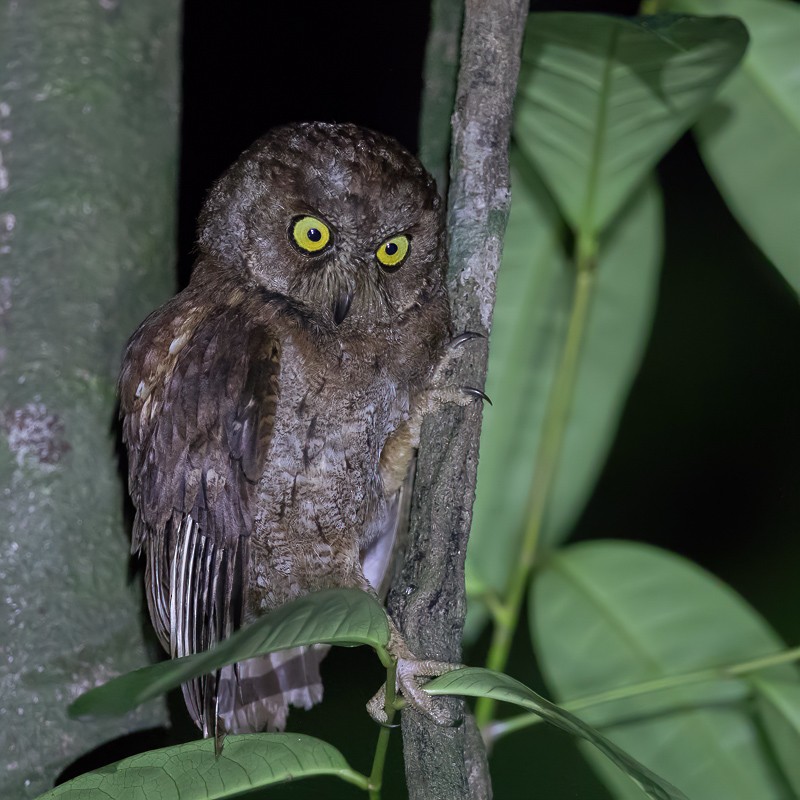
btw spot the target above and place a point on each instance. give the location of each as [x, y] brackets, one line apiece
[341, 220]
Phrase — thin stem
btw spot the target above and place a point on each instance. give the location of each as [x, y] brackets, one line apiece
[498, 729]
[554, 426]
[650, 7]
[439, 92]
[382, 746]
[355, 778]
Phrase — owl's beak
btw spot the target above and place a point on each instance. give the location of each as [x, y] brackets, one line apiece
[342, 305]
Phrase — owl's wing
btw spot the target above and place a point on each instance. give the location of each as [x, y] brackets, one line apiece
[198, 394]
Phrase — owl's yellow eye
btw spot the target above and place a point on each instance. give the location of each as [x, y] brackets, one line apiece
[393, 252]
[310, 234]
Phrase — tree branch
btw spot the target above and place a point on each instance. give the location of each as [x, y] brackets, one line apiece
[428, 599]
[439, 91]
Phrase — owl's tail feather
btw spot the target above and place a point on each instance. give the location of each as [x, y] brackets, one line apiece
[205, 589]
[255, 695]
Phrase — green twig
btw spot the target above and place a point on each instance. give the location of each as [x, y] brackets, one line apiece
[506, 614]
[355, 778]
[650, 7]
[496, 730]
[382, 746]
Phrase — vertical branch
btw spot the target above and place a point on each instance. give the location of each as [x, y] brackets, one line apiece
[428, 599]
[439, 91]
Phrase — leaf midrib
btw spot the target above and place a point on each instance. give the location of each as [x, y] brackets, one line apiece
[586, 226]
[601, 600]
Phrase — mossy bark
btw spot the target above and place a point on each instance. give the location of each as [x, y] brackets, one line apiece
[88, 162]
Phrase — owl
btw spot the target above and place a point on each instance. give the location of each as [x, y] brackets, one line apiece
[271, 409]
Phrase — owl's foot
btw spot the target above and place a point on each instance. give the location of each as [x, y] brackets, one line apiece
[440, 391]
[410, 674]
[439, 382]
[399, 449]
[409, 687]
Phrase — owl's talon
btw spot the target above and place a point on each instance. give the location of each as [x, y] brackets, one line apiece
[384, 720]
[376, 707]
[467, 336]
[451, 355]
[477, 393]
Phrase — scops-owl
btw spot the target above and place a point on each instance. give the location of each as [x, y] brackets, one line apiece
[271, 409]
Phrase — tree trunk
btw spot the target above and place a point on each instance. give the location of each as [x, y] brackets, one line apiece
[428, 599]
[88, 162]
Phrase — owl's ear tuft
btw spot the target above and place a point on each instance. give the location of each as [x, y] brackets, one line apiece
[222, 229]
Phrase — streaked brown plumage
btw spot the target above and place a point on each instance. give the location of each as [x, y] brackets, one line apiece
[271, 409]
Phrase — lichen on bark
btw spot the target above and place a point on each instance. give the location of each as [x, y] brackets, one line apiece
[428, 597]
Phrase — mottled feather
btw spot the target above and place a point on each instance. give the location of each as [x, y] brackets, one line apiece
[197, 430]
[267, 408]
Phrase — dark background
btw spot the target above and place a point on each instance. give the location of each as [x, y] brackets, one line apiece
[706, 459]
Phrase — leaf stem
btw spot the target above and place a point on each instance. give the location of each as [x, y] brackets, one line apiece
[506, 613]
[382, 746]
[355, 778]
[496, 730]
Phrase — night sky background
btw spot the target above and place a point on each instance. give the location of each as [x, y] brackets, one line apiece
[706, 460]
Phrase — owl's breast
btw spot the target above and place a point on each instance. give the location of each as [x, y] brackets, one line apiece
[321, 496]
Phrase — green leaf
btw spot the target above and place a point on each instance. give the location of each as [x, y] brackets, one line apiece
[335, 616]
[602, 98]
[611, 614]
[779, 706]
[750, 136]
[193, 772]
[476, 682]
[534, 290]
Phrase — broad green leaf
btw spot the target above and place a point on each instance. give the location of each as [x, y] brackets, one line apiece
[193, 772]
[530, 314]
[611, 614]
[476, 682]
[334, 616]
[602, 98]
[779, 706]
[534, 291]
[750, 136]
